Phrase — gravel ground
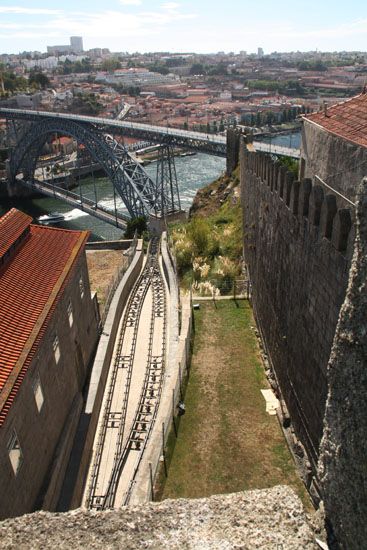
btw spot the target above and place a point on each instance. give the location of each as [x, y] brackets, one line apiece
[103, 267]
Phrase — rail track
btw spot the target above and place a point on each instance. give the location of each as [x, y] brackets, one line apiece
[133, 391]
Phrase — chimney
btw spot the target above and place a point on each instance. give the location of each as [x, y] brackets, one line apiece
[325, 108]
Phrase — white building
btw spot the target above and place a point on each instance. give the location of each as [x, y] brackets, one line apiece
[76, 44]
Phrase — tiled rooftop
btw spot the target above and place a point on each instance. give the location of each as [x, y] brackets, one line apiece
[347, 120]
[31, 283]
[12, 226]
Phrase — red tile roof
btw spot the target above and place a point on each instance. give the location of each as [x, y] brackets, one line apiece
[347, 120]
[31, 284]
[12, 226]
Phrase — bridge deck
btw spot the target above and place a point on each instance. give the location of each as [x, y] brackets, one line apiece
[94, 209]
[211, 143]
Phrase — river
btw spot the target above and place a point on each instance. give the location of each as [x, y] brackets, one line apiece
[193, 172]
[292, 140]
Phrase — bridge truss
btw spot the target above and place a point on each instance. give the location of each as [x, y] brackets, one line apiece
[140, 194]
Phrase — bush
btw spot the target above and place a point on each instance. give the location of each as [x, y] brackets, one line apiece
[198, 233]
[138, 224]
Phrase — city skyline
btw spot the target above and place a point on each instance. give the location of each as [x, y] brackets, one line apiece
[151, 25]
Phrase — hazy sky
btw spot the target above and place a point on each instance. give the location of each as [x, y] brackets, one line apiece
[186, 25]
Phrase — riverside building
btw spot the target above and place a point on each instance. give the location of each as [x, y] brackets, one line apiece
[48, 333]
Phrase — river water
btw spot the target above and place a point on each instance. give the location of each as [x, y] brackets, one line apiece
[193, 172]
[292, 140]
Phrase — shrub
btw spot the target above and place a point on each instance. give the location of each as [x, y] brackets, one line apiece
[138, 224]
[198, 233]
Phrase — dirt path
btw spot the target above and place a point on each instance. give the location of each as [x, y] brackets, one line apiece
[103, 267]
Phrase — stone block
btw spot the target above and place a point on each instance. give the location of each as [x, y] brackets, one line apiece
[304, 197]
[274, 183]
[282, 175]
[328, 211]
[316, 200]
[288, 187]
[294, 198]
[341, 228]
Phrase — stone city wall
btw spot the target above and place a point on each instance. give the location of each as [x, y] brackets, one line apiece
[297, 247]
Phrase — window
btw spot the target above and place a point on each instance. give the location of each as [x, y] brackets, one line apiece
[70, 313]
[15, 453]
[38, 393]
[56, 348]
[81, 286]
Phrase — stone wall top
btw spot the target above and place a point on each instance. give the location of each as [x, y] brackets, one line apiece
[305, 199]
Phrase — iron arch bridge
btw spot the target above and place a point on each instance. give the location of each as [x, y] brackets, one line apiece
[140, 194]
[198, 141]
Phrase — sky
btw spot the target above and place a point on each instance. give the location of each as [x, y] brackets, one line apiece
[202, 26]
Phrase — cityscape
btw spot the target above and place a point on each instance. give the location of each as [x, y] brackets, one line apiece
[183, 267]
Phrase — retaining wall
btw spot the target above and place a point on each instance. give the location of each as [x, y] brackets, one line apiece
[297, 246]
[89, 418]
[109, 245]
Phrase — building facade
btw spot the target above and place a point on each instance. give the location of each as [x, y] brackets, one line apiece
[48, 333]
[76, 44]
[334, 146]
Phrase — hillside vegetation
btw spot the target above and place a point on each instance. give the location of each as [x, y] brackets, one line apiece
[208, 247]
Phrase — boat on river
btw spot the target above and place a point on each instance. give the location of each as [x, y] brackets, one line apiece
[53, 217]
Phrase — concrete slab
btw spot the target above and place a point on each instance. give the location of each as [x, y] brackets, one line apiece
[272, 403]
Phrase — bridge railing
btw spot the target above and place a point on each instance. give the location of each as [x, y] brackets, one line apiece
[158, 130]
[79, 200]
[276, 149]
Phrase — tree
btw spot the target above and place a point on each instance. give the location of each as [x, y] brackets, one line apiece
[219, 69]
[291, 164]
[138, 224]
[197, 69]
[111, 65]
[39, 79]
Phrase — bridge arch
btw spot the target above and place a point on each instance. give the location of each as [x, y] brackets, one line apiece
[132, 183]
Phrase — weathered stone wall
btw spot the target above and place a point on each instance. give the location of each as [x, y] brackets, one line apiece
[39, 432]
[270, 518]
[338, 162]
[233, 148]
[343, 452]
[297, 249]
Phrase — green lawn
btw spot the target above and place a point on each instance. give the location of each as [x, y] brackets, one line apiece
[226, 441]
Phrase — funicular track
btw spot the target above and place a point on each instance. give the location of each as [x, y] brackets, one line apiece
[129, 442]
